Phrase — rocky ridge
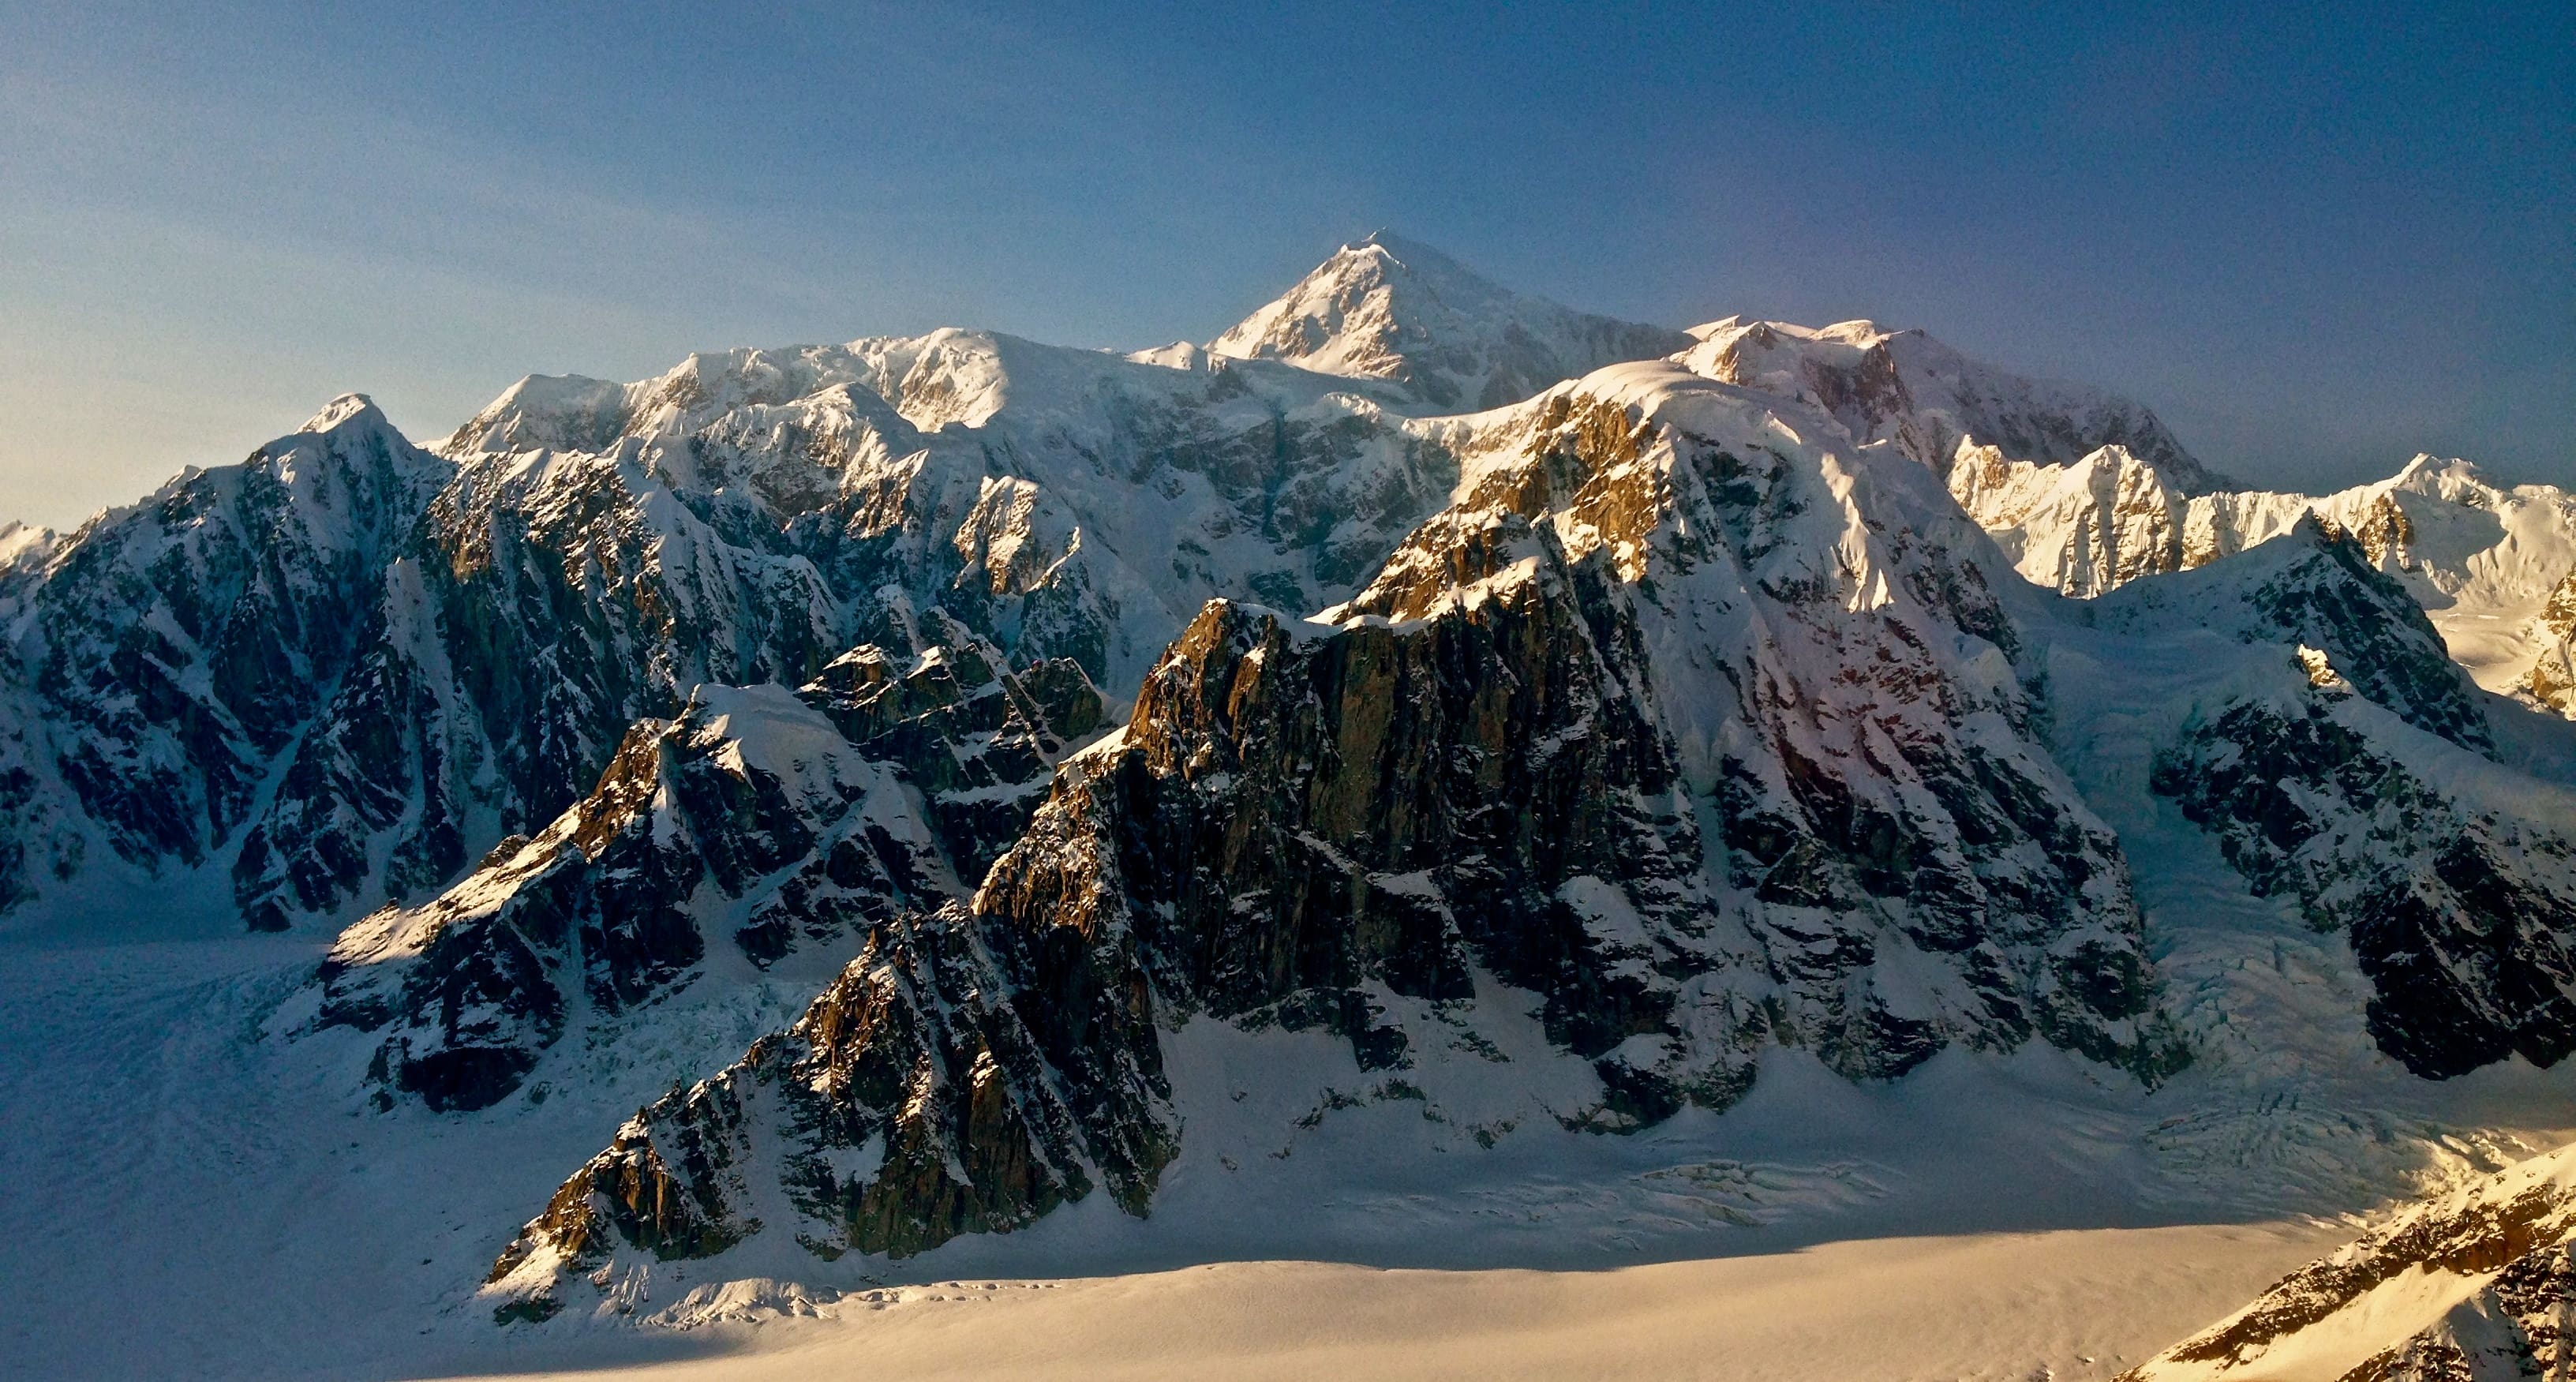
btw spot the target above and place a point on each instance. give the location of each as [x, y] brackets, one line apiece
[2474, 1284]
[1604, 733]
[167, 656]
[1548, 768]
[753, 826]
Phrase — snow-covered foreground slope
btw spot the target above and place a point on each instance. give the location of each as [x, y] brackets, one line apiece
[2476, 1283]
[1876, 1227]
[1985, 1306]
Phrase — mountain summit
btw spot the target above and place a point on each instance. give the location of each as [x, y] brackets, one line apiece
[1432, 779]
[1388, 308]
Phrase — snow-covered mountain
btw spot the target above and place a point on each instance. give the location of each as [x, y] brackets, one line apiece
[2482, 558]
[1933, 403]
[167, 657]
[1445, 338]
[1680, 731]
[960, 786]
[1683, 734]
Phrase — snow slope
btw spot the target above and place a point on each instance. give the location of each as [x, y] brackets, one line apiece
[2483, 559]
[1934, 404]
[1677, 901]
[2475, 1283]
[1389, 309]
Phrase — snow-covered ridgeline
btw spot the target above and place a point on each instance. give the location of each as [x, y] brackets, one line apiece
[2482, 558]
[2474, 1284]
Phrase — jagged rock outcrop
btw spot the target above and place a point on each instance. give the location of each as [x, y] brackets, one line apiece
[1653, 614]
[2462, 915]
[747, 816]
[757, 822]
[2551, 682]
[1813, 632]
[2471, 1285]
[2317, 587]
[960, 1076]
[980, 743]
[167, 655]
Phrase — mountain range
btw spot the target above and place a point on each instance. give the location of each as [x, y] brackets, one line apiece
[1423, 710]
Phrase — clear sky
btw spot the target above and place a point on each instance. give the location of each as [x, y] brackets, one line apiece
[2316, 239]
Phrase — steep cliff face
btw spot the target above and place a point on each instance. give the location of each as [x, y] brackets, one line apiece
[1814, 635]
[746, 822]
[2470, 1286]
[2551, 682]
[170, 654]
[754, 826]
[2317, 587]
[1701, 735]
[541, 605]
[960, 1076]
[2460, 899]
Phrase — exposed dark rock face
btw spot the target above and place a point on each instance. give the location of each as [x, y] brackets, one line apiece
[1649, 610]
[1834, 660]
[2503, 1243]
[2316, 587]
[963, 1075]
[755, 821]
[747, 804]
[978, 742]
[2463, 919]
[748, 516]
[174, 650]
[1292, 818]
[538, 611]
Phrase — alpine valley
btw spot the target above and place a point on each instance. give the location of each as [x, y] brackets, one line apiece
[949, 855]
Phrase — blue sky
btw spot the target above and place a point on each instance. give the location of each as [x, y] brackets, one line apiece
[2315, 240]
